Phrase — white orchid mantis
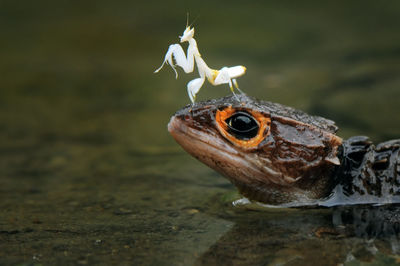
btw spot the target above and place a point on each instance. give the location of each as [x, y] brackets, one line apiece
[226, 75]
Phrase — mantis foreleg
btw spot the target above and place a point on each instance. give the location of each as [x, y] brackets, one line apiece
[186, 63]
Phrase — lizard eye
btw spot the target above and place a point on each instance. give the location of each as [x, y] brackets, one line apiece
[242, 125]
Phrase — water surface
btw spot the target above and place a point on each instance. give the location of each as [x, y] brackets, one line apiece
[89, 174]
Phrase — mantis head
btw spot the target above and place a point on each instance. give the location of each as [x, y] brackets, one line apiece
[187, 34]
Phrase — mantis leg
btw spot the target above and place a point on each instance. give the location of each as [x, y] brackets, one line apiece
[222, 77]
[236, 71]
[225, 76]
[232, 90]
[176, 51]
[186, 63]
[231, 86]
[193, 88]
[168, 59]
[237, 86]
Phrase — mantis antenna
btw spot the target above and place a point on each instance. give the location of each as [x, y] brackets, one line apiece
[191, 24]
[226, 75]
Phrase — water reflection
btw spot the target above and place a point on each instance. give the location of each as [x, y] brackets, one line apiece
[368, 222]
[341, 235]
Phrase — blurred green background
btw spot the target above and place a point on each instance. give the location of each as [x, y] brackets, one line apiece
[88, 171]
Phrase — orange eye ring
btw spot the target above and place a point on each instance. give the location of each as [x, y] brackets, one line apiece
[264, 124]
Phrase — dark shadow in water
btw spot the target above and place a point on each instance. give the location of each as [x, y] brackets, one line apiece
[350, 234]
[369, 222]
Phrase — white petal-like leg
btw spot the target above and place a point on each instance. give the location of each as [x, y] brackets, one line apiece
[187, 64]
[227, 73]
[168, 59]
[236, 71]
[222, 77]
[176, 51]
[193, 88]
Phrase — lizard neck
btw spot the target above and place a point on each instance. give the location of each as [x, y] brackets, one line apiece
[369, 171]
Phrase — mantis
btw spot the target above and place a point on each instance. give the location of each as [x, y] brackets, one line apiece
[226, 75]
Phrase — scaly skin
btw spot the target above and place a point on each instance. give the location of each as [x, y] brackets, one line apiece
[287, 157]
[368, 170]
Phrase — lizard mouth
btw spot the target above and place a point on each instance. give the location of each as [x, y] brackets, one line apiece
[198, 143]
[213, 150]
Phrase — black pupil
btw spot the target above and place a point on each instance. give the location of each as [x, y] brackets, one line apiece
[242, 126]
